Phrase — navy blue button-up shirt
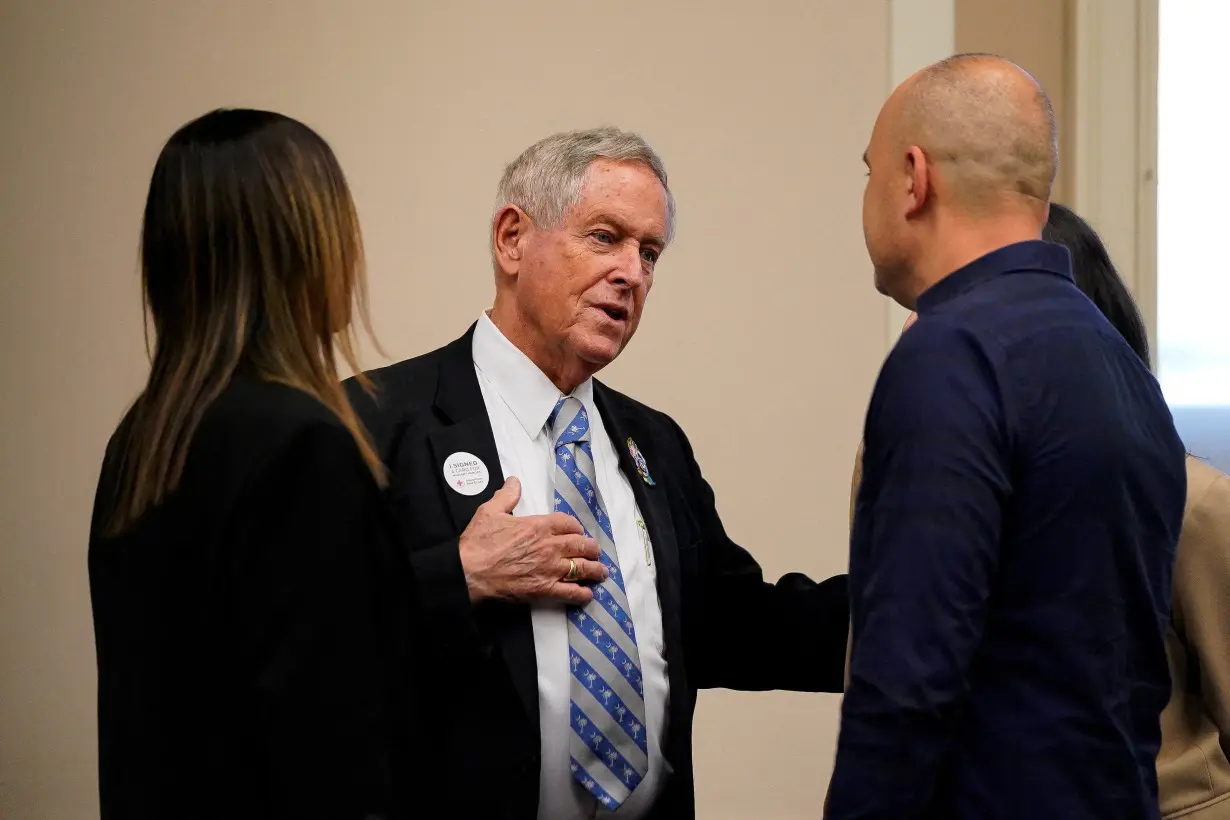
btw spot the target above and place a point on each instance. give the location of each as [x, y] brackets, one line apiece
[1010, 563]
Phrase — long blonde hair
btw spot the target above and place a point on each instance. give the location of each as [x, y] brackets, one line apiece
[251, 262]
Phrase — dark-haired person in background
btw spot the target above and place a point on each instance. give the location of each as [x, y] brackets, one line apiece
[250, 611]
[1193, 766]
[1096, 276]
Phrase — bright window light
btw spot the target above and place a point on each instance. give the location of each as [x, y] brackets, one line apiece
[1193, 204]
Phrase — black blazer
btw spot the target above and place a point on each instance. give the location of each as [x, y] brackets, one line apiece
[723, 625]
[251, 629]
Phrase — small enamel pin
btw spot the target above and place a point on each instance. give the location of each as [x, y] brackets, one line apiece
[639, 460]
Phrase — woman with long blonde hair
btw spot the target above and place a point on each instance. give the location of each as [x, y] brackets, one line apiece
[249, 603]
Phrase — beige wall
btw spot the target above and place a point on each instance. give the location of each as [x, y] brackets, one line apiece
[1034, 34]
[762, 337]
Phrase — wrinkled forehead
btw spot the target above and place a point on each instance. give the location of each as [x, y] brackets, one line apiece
[627, 191]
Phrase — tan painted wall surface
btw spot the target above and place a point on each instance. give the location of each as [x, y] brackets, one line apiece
[762, 336]
[1032, 33]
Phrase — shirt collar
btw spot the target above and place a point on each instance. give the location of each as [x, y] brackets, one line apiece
[1032, 255]
[526, 390]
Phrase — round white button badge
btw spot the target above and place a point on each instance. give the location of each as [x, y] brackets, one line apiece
[466, 473]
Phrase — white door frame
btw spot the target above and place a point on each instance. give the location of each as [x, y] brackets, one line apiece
[921, 32]
[1114, 151]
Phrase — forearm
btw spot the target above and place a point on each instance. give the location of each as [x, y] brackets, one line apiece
[790, 635]
[751, 635]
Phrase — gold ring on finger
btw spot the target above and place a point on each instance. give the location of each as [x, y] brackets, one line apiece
[574, 572]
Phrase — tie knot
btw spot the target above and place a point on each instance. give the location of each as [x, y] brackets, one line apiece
[569, 422]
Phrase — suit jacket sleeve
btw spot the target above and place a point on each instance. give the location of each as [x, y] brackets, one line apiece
[1201, 605]
[755, 635]
[320, 620]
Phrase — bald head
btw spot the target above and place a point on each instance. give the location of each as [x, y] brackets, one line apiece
[985, 123]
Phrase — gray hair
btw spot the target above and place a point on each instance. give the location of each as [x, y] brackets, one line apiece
[546, 180]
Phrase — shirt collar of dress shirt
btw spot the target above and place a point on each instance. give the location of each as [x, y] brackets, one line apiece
[1032, 255]
[526, 390]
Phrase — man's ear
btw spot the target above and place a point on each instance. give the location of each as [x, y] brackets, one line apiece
[919, 179]
[510, 230]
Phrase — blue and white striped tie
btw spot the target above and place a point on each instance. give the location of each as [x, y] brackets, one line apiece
[608, 746]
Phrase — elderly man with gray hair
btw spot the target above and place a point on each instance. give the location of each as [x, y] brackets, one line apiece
[577, 581]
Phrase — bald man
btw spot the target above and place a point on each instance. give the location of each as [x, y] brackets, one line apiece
[1022, 492]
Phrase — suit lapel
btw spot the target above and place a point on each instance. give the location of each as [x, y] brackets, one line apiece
[474, 437]
[650, 499]
[459, 400]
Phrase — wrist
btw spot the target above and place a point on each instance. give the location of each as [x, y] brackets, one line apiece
[477, 589]
[475, 586]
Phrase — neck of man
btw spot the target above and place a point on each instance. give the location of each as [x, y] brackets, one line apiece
[561, 367]
[958, 240]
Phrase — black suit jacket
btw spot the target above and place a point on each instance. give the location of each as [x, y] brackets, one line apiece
[723, 625]
[251, 630]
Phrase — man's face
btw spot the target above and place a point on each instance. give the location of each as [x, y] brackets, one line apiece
[886, 203]
[582, 286]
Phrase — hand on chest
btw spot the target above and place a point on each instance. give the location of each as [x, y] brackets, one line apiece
[600, 490]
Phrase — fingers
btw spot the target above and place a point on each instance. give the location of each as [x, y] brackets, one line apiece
[562, 524]
[574, 546]
[505, 499]
[577, 592]
[573, 594]
[589, 571]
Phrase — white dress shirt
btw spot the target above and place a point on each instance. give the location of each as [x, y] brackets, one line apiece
[519, 399]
